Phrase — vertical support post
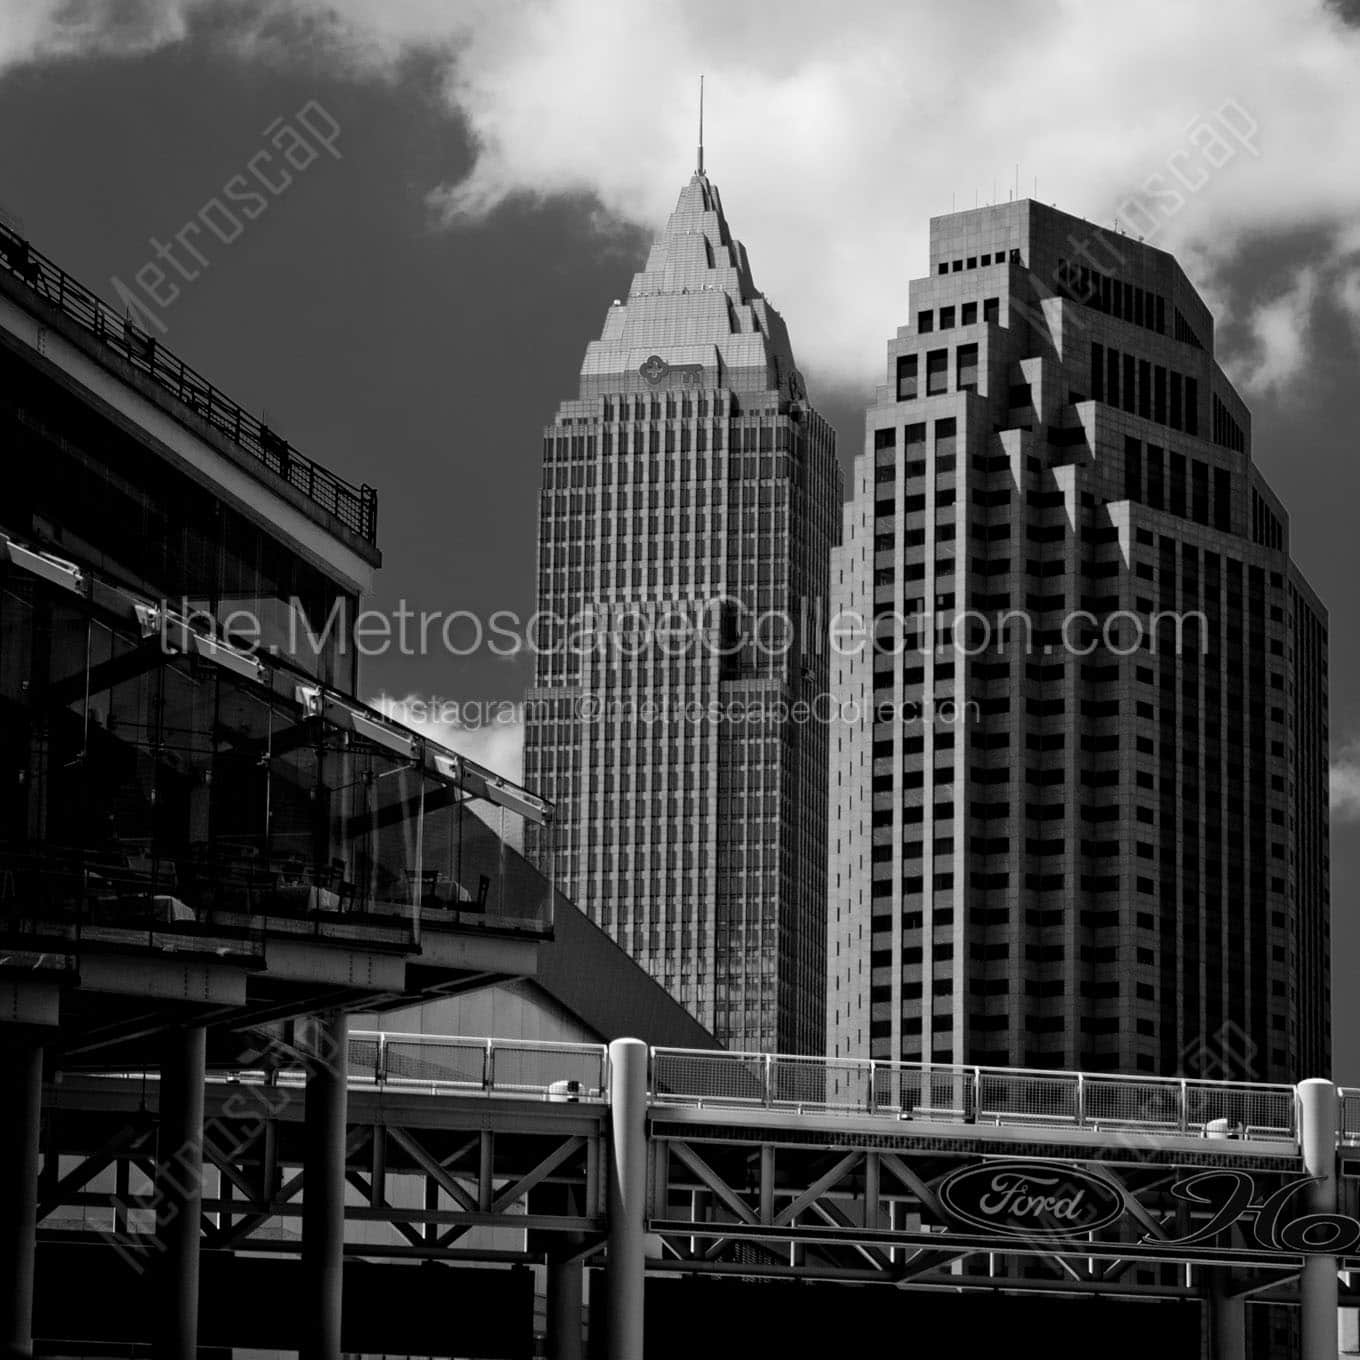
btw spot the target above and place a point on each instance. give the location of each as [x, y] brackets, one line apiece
[871, 1190]
[566, 1294]
[21, 1073]
[179, 1191]
[1227, 1318]
[323, 1201]
[486, 1171]
[627, 1198]
[1318, 1107]
[767, 1183]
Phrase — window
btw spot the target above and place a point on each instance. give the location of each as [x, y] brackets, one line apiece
[1097, 371]
[1199, 492]
[946, 432]
[906, 377]
[1222, 498]
[968, 314]
[937, 372]
[967, 368]
[946, 318]
[1155, 477]
[991, 310]
[1133, 469]
[925, 322]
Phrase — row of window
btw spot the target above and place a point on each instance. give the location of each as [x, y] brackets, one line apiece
[1266, 528]
[1115, 297]
[967, 316]
[1146, 389]
[976, 262]
[1157, 477]
[937, 372]
[658, 472]
[1226, 431]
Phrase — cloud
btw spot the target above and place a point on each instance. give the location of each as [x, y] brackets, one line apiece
[1279, 329]
[1345, 784]
[494, 738]
[47, 30]
[835, 132]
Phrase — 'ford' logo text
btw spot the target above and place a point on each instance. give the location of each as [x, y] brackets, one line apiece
[1030, 1199]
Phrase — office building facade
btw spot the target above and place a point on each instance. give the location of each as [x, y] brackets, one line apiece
[689, 504]
[1085, 823]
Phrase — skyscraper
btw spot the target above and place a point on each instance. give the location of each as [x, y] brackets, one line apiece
[689, 504]
[1064, 839]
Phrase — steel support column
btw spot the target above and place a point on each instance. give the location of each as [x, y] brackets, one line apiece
[566, 1295]
[1227, 1319]
[1318, 1111]
[323, 1194]
[627, 1198]
[21, 1078]
[179, 1192]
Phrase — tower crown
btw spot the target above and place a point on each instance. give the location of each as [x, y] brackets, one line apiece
[693, 305]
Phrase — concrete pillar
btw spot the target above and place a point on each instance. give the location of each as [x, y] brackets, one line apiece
[627, 1198]
[325, 1044]
[1318, 1108]
[21, 1081]
[1227, 1319]
[179, 1192]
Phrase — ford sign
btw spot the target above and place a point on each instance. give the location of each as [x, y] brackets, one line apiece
[1030, 1199]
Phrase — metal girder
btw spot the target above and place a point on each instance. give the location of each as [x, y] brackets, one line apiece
[714, 1182]
[818, 1188]
[432, 1168]
[114, 1149]
[369, 1188]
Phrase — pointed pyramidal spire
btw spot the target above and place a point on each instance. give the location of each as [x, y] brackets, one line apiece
[700, 170]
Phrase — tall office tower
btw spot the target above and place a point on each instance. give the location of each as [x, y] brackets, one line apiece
[1068, 842]
[690, 501]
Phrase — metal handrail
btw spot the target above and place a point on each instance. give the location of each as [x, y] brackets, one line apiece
[448, 1063]
[546, 1070]
[354, 506]
[971, 1094]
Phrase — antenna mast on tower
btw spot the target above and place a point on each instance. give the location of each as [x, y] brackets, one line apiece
[701, 126]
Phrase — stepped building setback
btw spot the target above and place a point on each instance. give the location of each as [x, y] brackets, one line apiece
[1071, 840]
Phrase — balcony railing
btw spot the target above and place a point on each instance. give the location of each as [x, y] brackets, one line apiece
[356, 507]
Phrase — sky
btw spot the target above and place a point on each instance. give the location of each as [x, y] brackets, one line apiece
[468, 185]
